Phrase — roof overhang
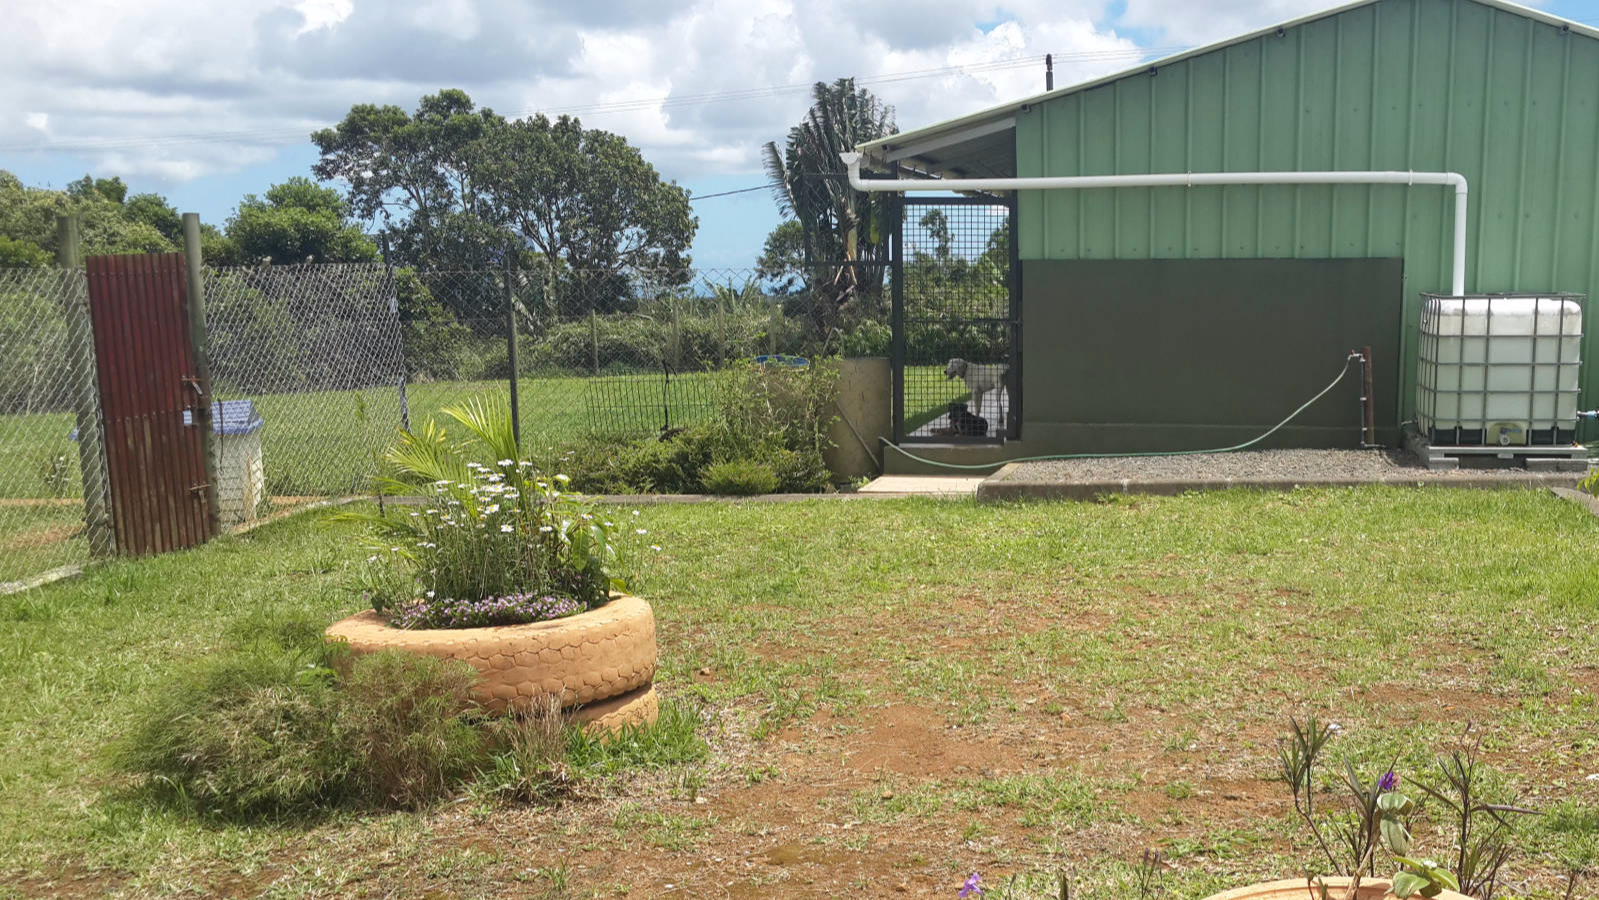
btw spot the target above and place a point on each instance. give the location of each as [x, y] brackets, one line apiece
[983, 144]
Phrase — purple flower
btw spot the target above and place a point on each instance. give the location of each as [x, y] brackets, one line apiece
[514, 609]
[971, 887]
[1389, 782]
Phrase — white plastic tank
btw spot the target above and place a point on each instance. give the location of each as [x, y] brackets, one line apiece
[1499, 369]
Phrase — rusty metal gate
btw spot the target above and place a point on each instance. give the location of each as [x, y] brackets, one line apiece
[151, 402]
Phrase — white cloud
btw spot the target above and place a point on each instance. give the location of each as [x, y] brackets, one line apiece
[173, 90]
[323, 13]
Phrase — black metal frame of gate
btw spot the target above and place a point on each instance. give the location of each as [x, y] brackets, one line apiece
[1012, 322]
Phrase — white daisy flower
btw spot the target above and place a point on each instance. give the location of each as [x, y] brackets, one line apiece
[643, 531]
[507, 529]
[546, 529]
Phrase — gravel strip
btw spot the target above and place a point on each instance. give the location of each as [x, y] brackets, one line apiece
[1371, 465]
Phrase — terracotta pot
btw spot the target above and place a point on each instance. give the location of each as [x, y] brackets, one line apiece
[600, 663]
[1297, 889]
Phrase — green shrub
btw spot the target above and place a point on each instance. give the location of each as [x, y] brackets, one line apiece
[867, 337]
[527, 757]
[284, 726]
[773, 417]
[491, 538]
[242, 734]
[401, 716]
[740, 477]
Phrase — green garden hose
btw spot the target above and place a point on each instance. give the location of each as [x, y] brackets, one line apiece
[1249, 443]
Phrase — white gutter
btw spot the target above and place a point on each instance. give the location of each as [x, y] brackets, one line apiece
[1185, 179]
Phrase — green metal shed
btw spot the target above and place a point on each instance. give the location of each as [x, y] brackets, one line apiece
[1174, 317]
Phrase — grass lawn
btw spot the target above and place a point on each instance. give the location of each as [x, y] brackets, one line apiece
[897, 693]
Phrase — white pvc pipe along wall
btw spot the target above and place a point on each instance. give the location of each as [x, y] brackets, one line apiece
[1185, 179]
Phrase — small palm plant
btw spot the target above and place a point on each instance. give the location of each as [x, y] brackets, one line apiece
[483, 542]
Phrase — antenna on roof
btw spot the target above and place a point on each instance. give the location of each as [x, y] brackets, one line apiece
[1049, 71]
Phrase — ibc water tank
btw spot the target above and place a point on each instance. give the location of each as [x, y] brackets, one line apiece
[1499, 369]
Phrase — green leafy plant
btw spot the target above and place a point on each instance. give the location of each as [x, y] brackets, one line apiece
[1590, 482]
[740, 478]
[494, 540]
[1481, 830]
[55, 471]
[1379, 818]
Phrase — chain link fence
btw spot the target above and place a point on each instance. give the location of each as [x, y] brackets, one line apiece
[47, 391]
[315, 367]
[308, 368]
[597, 354]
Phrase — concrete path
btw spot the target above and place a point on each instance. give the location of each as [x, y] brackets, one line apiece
[925, 485]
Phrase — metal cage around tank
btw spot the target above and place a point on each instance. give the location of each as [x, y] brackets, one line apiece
[1499, 369]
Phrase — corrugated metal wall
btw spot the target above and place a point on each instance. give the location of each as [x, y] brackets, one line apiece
[1511, 103]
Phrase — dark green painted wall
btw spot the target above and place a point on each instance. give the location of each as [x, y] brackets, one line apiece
[1171, 354]
[1511, 103]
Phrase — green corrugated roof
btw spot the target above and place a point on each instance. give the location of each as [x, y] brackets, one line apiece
[944, 159]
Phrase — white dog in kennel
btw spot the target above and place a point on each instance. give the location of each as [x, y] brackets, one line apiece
[980, 378]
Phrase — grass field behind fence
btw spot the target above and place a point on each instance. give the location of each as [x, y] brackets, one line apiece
[322, 443]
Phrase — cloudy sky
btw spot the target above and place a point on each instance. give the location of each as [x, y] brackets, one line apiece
[205, 102]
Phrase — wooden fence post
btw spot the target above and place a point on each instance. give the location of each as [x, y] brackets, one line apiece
[200, 345]
[85, 397]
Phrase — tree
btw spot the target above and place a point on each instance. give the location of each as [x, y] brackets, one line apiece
[28, 216]
[585, 198]
[154, 210]
[459, 187]
[89, 187]
[782, 262]
[297, 221]
[20, 254]
[845, 231]
[414, 173]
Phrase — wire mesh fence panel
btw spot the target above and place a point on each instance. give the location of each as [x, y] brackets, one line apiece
[608, 354]
[959, 332]
[307, 366]
[47, 391]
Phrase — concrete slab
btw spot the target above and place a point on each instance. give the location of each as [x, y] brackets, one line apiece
[995, 404]
[930, 485]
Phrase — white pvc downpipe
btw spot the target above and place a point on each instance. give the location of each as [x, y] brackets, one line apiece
[1185, 179]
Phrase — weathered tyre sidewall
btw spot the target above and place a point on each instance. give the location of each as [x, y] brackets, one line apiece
[634, 709]
[582, 659]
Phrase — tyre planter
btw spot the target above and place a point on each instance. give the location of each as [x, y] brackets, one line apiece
[1295, 889]
[600, 663]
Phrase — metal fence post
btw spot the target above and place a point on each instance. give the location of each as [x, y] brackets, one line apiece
[85, 396]
[896, 237]
[510, 350]
[201, 347]
[394, 308]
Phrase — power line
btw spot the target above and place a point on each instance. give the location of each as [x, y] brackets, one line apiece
[758, 187]
[632, 105]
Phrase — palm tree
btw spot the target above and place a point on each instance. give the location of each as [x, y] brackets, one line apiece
[846, 232]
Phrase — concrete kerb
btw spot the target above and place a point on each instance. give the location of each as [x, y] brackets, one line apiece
[997, 490]
[1587, 501]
